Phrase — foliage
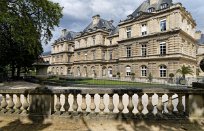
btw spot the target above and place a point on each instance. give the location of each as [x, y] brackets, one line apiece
[185, 70]
[171, 75]
[23, 26]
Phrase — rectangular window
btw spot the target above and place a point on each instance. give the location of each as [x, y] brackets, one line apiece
[110, 42]
[111, 55]
[85, 53]
[129, 30]
[163, 48]
[163, 25]
[103, 55]
[144, 29]
[128, 71]
[128, 49]
[94, 40]
[94, 57]
[144, 50]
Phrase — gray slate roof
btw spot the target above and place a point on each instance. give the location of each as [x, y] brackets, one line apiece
[146, 5]
[115, 31]
[68, 37]
[102, 24]
[46, 53]
[201, 40]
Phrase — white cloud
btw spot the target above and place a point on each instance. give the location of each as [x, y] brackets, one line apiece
[78, 13]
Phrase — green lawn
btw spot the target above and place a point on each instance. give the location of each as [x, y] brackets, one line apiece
[104, 83]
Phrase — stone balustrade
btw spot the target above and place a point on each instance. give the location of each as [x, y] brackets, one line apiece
[135, 103]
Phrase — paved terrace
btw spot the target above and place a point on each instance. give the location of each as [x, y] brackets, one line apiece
[14, 121]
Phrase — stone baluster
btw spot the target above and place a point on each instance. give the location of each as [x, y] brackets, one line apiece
[4, 103]
[120, 104]
[66, 104]
[25, 104]
[101, 105]
[130, 105]
[160, 105]
[150, 106]
[180, 106]
[58, 105]
[170, 106]
[83, 104]
[140, 106]
[92, 106]
[18, 104]
[111, 105]
[11, 103]
[75, 104]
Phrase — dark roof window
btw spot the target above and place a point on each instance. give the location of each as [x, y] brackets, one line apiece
[164, 6]
[151, 9]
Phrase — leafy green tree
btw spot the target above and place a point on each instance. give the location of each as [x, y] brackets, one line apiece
[24, 24]
[185, 70]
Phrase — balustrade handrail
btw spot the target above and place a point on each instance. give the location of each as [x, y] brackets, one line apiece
[45, 90]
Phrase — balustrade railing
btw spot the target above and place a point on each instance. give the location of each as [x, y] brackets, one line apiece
[133, 102]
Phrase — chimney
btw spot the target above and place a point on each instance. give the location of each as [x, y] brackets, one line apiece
[96, 19]
[198, 35]
[64, 32]
[151, 2]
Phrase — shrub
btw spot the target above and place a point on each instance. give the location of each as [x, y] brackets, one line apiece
[171, 75]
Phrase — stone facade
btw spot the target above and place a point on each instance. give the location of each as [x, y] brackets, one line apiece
[156, 41]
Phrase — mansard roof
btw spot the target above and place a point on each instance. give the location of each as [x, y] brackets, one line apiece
[46, 53]
[115, 31]
[102, 24]
[201, 40]
[69, 36]
[146, 5]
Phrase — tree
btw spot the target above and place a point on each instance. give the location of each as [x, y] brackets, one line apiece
[24, 24]
[185, 70]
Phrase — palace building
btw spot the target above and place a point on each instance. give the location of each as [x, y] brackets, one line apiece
[158, 38]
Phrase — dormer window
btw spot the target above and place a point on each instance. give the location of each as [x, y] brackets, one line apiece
[152, 9]
[139, 13]
[130, 16]
[164, 6]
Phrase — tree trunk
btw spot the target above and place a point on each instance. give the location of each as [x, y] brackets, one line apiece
[12, 70]
[18, 71]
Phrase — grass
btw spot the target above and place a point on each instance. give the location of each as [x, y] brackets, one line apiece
[101, 83]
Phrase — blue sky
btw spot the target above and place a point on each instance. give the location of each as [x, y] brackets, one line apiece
[78, 13]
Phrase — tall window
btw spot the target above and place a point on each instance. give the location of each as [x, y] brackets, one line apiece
[163, 25]
[103, 55]
[129, 30]
[143, 71]
[144, 29]
[163, 71]
[163, 48]
[144, 49]
[94, 40]
[110, 41]
[85, 53]
[94, 56]
[111, 55]
[128, 49]
[128, 71]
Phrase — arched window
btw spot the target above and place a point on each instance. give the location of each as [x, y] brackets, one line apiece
[163, 71]
[143, 71]
[128, 71]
